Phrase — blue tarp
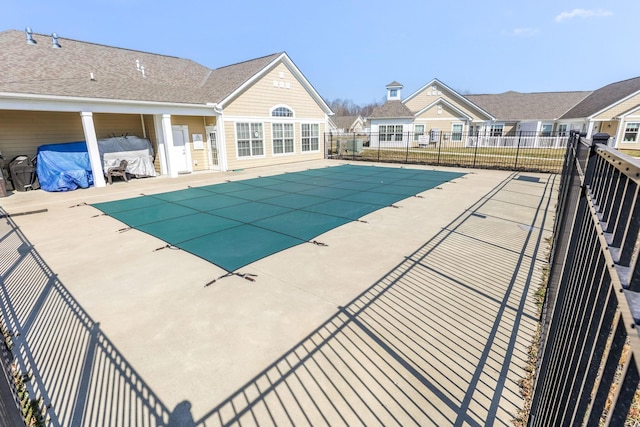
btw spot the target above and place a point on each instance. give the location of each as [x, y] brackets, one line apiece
[64, 167]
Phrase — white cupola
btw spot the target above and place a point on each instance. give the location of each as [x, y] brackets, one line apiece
[394, 91]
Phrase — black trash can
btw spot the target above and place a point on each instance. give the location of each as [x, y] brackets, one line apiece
[23, 173]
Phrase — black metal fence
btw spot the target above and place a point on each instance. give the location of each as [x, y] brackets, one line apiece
[526, 151]
[588, 369]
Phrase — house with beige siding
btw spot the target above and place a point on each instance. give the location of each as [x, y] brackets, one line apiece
[612, 109]
[55, 90]
[437, 114]
[433, 112]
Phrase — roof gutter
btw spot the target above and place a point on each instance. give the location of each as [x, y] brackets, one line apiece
[21, 101]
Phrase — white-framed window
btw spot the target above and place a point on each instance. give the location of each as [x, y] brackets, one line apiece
[281, 111]
[631, 132]
[418, 131]
[249, 139]
[456, 131]
[282, 138]
[496, 130]
[390, 132]
[563, 129]
[310, 137]
[546, 129]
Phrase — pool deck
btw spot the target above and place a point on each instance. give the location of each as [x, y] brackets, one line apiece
[420, 314]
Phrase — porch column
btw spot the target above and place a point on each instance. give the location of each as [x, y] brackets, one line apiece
[167, 133]
[590, 129]
[92, 147]
[160, 150]
[622, 124]
[223, 161]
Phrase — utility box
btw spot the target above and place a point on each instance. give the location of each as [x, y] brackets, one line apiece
[352, 146]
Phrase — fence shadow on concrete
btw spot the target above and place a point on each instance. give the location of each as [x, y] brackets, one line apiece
[436, 341]
[73, 364]
[440, 340]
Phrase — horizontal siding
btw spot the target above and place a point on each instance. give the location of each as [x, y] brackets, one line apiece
[22, 132]
[620, 109]
[262, 96]
[151, 136]
[256, 104]
[422, 100]
[108, 125]
[269, 159]
[447, 113]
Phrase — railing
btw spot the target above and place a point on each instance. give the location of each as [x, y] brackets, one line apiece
[588, 370]
[528, 151]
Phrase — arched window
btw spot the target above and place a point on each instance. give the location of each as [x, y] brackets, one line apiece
[281, 112]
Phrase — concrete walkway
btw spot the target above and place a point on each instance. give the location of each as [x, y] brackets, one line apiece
[421, 315]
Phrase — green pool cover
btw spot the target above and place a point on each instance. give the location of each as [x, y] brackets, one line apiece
[236, 223]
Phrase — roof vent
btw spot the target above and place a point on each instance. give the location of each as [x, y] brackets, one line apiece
[54, 41]
[29, 35]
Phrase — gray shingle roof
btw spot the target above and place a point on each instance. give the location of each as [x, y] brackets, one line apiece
[344, 122]
[391, 109]
[516, 106]
[40, 69]
[602, 98]
[394, 83]
[225, 80]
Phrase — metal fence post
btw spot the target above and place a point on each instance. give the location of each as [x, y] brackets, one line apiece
[515, 165]
[353, 141]
[406, 157]
[475, 151]
[439, 146]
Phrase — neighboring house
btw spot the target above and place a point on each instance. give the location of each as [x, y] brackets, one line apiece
[348, 124]
[435, 113]
[613, 109]
[531, 113]
[54, 90]
[432, 112]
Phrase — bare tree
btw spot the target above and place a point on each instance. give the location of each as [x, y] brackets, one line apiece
[346, 107]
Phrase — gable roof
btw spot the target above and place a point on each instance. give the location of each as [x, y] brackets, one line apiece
[345, 122]
[230, 81]
[604, 98]
[516, 106]
[463, 99]
[391, 110]
[223, 81]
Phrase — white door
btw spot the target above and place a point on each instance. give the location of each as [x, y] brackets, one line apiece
[181, 155]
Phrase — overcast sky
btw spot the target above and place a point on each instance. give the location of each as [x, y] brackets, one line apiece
[351, 49]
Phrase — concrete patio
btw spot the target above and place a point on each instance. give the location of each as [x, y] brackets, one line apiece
[418, 315]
